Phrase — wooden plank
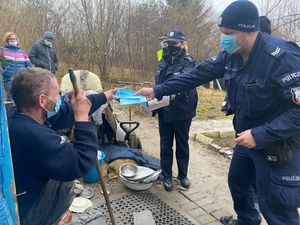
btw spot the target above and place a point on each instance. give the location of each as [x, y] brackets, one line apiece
[7, 184]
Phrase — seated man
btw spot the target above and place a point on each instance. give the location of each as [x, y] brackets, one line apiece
[44, 164]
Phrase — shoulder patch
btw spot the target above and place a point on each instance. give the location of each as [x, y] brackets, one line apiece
[274, 51]
[289, 77]
[189, 58]
[296, 95]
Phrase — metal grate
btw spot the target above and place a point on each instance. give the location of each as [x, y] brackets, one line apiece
[124, 207]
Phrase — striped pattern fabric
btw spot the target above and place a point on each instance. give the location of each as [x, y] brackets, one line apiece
[15, 59]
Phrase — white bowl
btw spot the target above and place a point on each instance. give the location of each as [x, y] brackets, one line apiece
[133, 185]
[141, 173]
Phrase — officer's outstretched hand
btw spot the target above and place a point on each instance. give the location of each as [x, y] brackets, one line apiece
[148, 92]
[110, 94]
[245, 139]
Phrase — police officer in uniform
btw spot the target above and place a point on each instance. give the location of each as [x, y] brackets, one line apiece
[175, 119]
[262, 74]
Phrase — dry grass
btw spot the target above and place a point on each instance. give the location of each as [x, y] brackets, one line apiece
[209, 104]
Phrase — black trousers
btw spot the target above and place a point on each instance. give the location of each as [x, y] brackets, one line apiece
[167, 131]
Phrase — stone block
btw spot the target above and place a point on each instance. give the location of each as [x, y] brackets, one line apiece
[188, 207]
[212, 134]
[215, 147]
[203, 139]
[215, 223]
[195, 213]
[218, 214]
[210, 208]
[143, 217]
[195, 196]
[206, 219]
[228, 153]
[203, 201]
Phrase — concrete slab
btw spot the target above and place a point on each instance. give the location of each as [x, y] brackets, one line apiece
[143, 217]
[203, 139]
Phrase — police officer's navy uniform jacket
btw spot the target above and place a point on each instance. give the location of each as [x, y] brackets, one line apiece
[264, 94]
[184, 105]
[175, 119]
[39, 154]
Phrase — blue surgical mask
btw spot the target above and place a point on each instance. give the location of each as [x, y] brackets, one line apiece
[56, 108]
[228, 43]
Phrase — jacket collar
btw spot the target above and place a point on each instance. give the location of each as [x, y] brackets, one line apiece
[11, 46]
[258, 44]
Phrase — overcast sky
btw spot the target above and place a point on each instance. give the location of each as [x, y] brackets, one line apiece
[220, 5]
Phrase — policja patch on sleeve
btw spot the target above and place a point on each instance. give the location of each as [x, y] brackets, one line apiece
[296, 95]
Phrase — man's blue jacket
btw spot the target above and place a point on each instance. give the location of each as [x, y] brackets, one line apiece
[39, 154]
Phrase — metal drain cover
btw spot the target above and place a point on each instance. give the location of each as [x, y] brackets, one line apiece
[124, 207]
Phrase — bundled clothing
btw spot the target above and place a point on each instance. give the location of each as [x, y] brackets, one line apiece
[44, 56]
[40, 155]
[175, 119]
[264, 95]
[14, 60]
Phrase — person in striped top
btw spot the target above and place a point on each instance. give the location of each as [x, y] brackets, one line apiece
[14, 59]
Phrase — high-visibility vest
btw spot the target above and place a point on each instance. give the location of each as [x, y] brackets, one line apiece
[159, 54]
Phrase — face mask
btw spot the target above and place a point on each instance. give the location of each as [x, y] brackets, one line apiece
[13, 43]
[228, 43]
[174, 51]
[49, 43]
[56, 108]
[162, 45]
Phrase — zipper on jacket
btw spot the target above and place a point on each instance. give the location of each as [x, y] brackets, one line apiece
[49, 59]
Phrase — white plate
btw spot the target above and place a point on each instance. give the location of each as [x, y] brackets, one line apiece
[80, 204]
[152, 177]
[142, 173]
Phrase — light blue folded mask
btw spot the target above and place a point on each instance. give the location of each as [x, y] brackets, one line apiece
[127, 97]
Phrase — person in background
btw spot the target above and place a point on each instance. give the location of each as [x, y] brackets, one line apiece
[175, 120]
[42, 53]
[265, 25]
[162, 45]
[14, 58]
[262, 73]
[45, 164]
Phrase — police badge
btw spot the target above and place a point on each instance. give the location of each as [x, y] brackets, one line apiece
[296, 95]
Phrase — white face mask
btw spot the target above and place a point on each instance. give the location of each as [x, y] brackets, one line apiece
[49, 43]
[13, 43]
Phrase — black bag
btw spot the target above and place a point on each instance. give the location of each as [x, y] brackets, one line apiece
[280, 153]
